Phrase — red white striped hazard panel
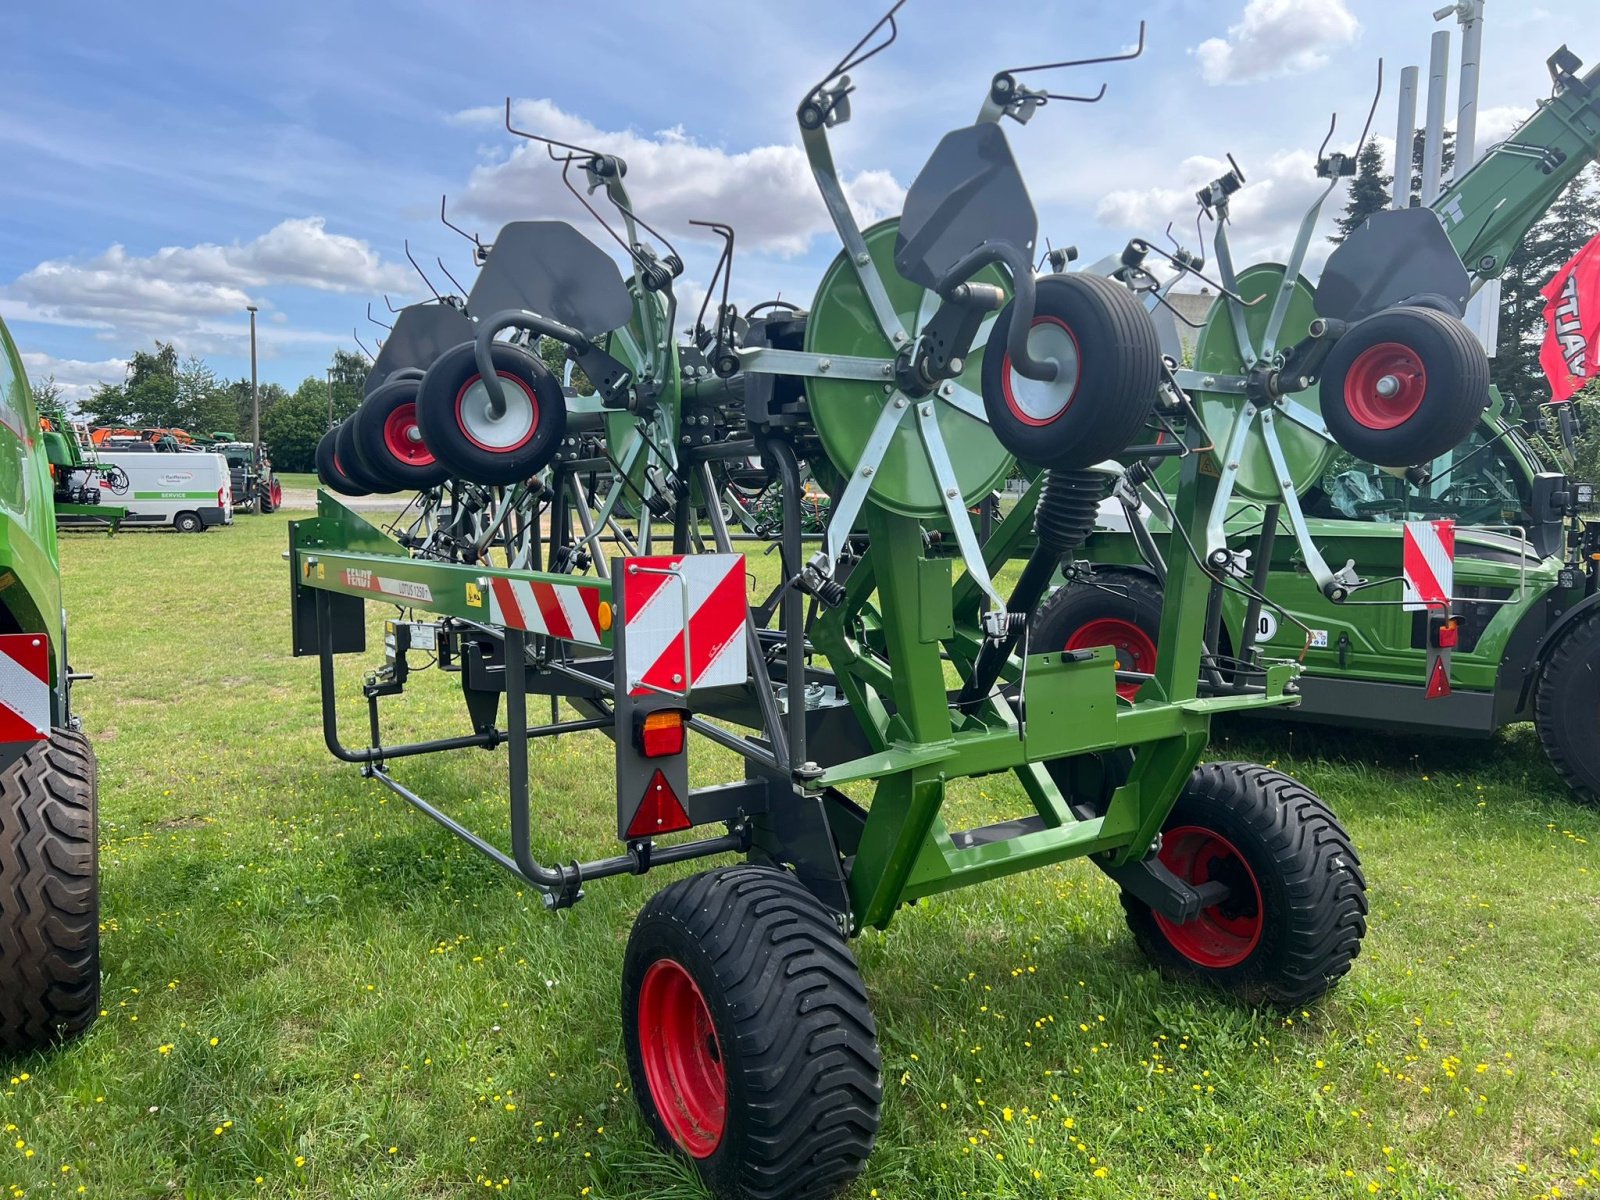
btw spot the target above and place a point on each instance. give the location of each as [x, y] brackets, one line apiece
[684, 617]
[24, 687]
[1428, 564]
[563, 610]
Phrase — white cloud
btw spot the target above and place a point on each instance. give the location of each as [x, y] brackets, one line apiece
[1495, 124]
[195, 296]
[1265, 213]
[1277, 37]
[766, 193]
[78, 379]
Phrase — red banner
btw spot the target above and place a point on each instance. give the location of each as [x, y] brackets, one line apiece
[1570, 355]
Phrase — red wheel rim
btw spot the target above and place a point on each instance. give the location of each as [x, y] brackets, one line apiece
[403, 438]
[1224, 934]
[277, 493]
[1385, 385]
[682, 1058]
[1008, 376]
[1135, 650]
[533, 424]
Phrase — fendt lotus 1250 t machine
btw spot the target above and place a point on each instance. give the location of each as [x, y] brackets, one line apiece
[1514, 632]
[884, 671]
[49, 906]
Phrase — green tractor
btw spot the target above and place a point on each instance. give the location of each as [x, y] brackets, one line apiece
[1517, 636]
[49, 905]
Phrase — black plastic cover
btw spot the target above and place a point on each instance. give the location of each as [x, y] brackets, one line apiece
[1399, 255]
[421, 333]
[549, 268]
[969, 193]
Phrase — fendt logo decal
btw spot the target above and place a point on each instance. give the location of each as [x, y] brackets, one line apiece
[355, 577]
[1569, 328]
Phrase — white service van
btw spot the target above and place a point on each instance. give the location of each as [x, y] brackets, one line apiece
[189, 491]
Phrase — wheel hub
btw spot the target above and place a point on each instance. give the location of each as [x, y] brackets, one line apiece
[488, 430]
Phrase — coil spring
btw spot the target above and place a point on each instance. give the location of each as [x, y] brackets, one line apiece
[1067, 508]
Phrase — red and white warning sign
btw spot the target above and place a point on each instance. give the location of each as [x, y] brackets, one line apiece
[684, 617]
[1428, 564]
[24, 687]
[562, 610]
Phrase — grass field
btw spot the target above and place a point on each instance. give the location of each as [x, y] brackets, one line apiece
[312, 991]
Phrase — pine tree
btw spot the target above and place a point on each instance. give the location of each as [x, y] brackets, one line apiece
[1447, 161]
[1571, 222]
[1369, 191]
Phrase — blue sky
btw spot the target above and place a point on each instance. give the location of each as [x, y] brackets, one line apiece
[167, 164]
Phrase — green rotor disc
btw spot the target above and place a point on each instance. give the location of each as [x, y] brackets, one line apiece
[1306, 452]
[845, 411]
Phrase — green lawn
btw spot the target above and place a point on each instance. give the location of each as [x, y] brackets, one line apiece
[311, 991]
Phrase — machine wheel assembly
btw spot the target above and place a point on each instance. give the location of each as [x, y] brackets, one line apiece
[1108, 357]
[1563, 707]
[330, 472]
[388, 441]
[1121, 609]
[49, 895]
[1404, 386]
[461, 430]
[344, 446]
[750, 1043]
[1297, 905]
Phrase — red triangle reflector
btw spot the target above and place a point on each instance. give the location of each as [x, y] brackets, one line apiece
[1438, 680]
[659, 812]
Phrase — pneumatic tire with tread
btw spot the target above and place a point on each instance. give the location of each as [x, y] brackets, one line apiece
[49, 894]
[330, 472]
[786, 1025]
[1077, 421]
[188, 522]
[1110, 608]
[1564, 709]
[1295, 867]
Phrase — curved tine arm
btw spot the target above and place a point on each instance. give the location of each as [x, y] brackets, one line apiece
[856, 55]
[471, 237]
[461, 291]
[388, 305]
[407, 244]
[374, 319]
[534, 137]
[514, 318]
[1022, 298]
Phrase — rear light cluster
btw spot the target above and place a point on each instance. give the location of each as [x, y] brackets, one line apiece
[662, 733]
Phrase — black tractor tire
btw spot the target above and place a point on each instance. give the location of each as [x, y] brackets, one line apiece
[1298, 909]
[350, 463]
[1087, 414]
[1564, 708]
[49, 894]
[751, 1046]
[454, 424]
[387, 440]
[1440, 374]
[1121, 609]
[330, 471]
[188, 522]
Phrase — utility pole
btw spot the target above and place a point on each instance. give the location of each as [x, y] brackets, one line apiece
[255, 391]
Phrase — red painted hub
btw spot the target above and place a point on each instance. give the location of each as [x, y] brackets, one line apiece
[1224, 934]
[682, 1058]
[1022, 394]
[1385, 385]
[1135, 650]
[404, 439]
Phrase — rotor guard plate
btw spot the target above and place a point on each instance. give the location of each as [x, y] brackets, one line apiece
[1398, 254]
[1306, 451]
[421, 333]
[845, 411]
[549, 268]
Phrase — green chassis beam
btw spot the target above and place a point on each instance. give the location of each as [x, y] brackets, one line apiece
[337, 551]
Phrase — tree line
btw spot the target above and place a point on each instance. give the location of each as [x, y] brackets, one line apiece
[163, 391]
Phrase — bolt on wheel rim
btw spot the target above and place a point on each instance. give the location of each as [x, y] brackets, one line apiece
[1225, 934]
[682, 1058]
[509, 431]
[1036, 401]
[1385, 385]
[404, 439]
[1135, 650]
